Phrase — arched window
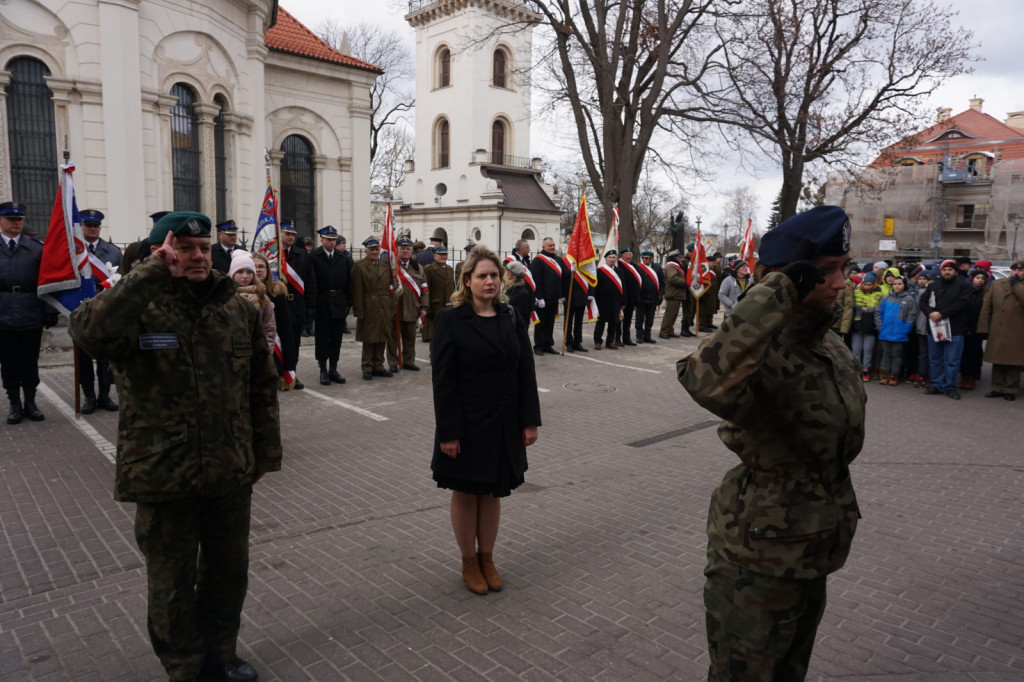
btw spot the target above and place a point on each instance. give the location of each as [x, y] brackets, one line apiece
[444, 68]
[528, 235]
[498, 142]
[185, 154]
[500, 67]
[31, 136]
[220, 156]
[442, 144]
[298, 185]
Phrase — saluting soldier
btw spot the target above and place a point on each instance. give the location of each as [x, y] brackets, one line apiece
[676, 292]
[227, 241]
[374, 308]
[109, 257]
[22, 313]
[631, 292]
[648, 297]
[301, 284]
[440, 279]
[412, 304]
[333, 284]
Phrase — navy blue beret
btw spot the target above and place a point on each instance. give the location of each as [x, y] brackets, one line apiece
[611, 252]
[826, 227]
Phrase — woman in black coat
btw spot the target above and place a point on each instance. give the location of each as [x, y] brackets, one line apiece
[486, 410]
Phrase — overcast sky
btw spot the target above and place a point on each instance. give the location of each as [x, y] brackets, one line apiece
[996, 25]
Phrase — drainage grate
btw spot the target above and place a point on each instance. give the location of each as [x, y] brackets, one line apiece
[674, 433]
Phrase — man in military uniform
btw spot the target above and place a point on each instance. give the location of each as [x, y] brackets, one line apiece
[22, 314]
[785, 516]
[648, 297]
[109, 257]
[333, 275]
[709, 303]
[426, 256]
[631, 294]
[676, 292]
[412, 305]
[301, 295]
[548, 274]
[374, 308]
[199, 426]
[440, 279]
[227, 241]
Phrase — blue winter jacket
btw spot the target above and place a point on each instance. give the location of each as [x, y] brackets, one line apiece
[895, 316]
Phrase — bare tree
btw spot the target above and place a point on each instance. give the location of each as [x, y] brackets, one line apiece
[396, 145]
[739, 207]
[391, 95]
[826, 80]
[619, 66]
[653, 209]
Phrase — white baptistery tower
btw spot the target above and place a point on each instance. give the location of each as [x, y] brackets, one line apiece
[474, 178]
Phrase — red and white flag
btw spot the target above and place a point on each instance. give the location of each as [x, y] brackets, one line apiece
[747, 248]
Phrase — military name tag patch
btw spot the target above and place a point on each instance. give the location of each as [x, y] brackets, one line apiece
[157, 341]
[242, 346]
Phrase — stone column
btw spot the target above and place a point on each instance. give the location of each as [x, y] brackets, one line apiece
[205, 113]
[6, 186]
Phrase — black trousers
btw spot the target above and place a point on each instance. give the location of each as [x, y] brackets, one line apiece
[87, 376]
[645, 319]
[627, 322]
[544, 331]
[291, 347]
[19, 358]
[608, 318]
[327, 347]
[574, 325]
[197, 565]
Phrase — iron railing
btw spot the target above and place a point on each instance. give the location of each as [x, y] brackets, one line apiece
[298, 185]
[503, 159]
[185, 154]
[32, 137]
[417, 5]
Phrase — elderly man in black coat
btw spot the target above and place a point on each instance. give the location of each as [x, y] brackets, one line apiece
[333, 272]
[22, 314]
[548, 271]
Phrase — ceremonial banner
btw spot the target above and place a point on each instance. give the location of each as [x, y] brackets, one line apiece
[65, 271]
[581, 251]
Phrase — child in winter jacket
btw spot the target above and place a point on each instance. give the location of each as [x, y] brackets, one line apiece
[895, 317]
[865, 301]
[243, 271]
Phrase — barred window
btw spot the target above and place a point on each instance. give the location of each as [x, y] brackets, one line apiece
[32, 139]
[220, 156]
[298, 185]
[185, 154]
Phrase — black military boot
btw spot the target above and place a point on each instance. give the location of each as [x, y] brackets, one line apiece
[333, 374]
[89, 400]
[325, 378]
[104, 401]
[14, 416]
[31, 411]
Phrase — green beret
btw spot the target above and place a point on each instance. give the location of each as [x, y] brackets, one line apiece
[180, 224]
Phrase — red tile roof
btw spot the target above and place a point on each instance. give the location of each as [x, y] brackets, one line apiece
[290, 36]
[980, 132]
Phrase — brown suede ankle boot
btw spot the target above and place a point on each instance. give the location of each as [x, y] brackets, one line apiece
[472, 576]
[490, 572]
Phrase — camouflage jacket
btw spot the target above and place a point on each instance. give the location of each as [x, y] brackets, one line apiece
[793, 404]
[196, 382]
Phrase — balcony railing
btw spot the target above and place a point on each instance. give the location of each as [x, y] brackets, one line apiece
[502, 159]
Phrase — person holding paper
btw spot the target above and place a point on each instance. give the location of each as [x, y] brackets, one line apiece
[946, 303]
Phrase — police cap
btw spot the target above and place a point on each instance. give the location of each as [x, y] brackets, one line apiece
[12, 209]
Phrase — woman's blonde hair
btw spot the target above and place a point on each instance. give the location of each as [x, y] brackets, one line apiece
[273, 288]
[462, 293]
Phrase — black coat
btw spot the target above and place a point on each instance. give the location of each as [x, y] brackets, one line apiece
[221, 258]
[952, 300]
[20, 308]
[579, 291]
[549, 282]
[629, 273]
[484, 394]
[333, 284]
[299, 304]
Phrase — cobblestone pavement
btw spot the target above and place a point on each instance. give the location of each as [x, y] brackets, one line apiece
[355, 573]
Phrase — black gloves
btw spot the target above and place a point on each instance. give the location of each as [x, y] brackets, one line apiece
[802, 272]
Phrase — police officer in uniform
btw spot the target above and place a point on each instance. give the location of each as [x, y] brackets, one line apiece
[110, 257]
[440, 279]
[22, 313]
[374, 308]
[200, 427]
[301, 295]
[792, 405]
[413, 303]
[227, 241]
[333, 275]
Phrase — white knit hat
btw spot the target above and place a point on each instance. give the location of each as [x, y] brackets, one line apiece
[241, 260]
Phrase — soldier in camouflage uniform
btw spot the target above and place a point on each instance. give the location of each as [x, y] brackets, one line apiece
[790, 395]
[198, 427]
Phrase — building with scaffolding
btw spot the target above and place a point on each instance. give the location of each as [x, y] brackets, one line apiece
[955, 188]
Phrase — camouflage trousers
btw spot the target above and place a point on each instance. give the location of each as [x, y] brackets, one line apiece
[760, 628]
[197, 565]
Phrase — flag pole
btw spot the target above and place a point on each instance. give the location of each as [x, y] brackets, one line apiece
[572, 282]
[277, 217]
[74, 344]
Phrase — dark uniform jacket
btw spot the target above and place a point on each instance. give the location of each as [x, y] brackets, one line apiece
[20, 308]
[426, 256]
[298, 303]
[410, 302]
[441, 281]
[485, 394]
[107, 253]
[629, 275]
[792, 403]
[650, 286]
[197, 383]
[333, 276]
[579, 291]
[221, 258]
[607, 293]
[548, 279]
